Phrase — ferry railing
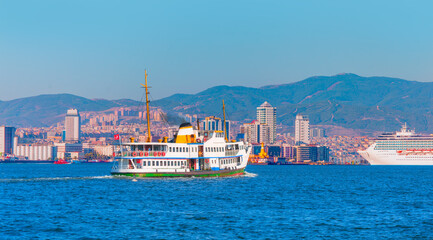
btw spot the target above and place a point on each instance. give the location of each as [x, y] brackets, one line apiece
[141, 154]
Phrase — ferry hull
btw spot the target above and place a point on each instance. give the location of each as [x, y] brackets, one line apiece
[201, 174]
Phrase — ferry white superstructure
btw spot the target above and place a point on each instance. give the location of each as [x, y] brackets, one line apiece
[400, 148]
[193, 153]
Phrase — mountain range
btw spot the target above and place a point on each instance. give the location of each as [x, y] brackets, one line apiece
[347, 100]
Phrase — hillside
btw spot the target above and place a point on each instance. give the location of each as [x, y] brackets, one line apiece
[45, 110]
[347, 100]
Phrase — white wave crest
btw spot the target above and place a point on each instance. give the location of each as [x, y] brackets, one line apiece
[248, 174]
[53, 179]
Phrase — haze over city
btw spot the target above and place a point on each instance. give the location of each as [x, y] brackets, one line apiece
[99, 49]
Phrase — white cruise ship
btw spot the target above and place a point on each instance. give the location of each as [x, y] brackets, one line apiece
[400, 148]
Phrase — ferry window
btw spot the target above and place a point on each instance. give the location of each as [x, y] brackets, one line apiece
[157, 163]
[169, 149]
[160, 162]
[177, 149]
[144, 163]
[187, 150]
[165, 163]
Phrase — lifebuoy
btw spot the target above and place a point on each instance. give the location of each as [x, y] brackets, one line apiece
[146, 154]
[141, 154]
[207, 160]
[114, 154]
[134, 154]
[163, 154]
[198, 140]
[155, 154]
[159, 154]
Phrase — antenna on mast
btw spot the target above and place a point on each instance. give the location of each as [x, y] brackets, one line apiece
[149, 136]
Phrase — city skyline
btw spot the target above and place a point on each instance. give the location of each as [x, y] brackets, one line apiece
[54, 47]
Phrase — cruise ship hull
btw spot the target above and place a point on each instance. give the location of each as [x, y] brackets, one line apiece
[391, 157]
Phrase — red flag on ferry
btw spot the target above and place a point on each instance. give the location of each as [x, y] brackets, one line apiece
[116, 137]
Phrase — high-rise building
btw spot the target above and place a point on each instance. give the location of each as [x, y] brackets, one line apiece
[256, 132]
[302, 129]
[317, 133]
[7, 135]
[266, 114]
[213, 123]
[72, 125]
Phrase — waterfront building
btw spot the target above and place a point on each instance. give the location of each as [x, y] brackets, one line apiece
[105, 150]
[213, 123]
[302, 153]
[266, 114]
[36, 151]
[288, 151]
[72, 125]
[7, 135]
[69, 150]
[312, 153]
[323, 153]
[256, 132]
[302, 129]
[274, 151]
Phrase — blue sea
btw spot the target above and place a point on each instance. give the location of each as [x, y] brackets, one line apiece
[82, 201]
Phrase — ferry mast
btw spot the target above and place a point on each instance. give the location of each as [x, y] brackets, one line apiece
[224, 116]
[149, 136]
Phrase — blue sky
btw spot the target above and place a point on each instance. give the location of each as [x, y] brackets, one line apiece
[99, 49]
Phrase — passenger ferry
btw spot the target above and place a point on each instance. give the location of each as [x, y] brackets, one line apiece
[191, 153]
[400, 148]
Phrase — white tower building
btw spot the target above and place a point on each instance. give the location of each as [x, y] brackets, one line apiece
[72, 125]
[302, 129]
[266, 114]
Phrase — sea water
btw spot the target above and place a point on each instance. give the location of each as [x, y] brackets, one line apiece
[82, 201]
